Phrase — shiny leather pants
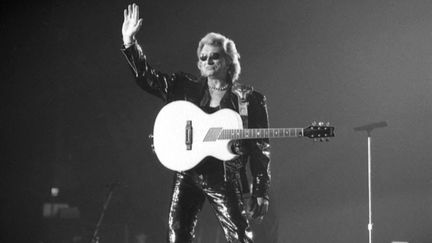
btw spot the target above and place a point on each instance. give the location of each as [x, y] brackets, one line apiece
[223, 193]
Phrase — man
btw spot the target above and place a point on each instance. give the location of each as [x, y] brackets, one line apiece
[222, 183]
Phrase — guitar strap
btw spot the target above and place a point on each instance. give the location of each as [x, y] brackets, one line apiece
[242, 92]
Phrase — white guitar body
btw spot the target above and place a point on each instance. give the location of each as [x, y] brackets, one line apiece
[183, 135]
[169, 135]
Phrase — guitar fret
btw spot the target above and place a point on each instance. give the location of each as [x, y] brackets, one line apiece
[252, 133]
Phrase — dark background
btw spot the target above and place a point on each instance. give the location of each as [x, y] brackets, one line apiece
[73, 118]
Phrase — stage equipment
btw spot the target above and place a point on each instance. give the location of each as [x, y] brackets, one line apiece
[183, 134]
[95, 237]
[368, 128]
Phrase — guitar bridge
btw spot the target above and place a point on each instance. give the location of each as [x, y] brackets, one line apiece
[188, 138]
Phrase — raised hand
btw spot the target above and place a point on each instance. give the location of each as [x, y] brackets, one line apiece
[131, 23]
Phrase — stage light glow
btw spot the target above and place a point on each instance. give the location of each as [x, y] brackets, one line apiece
[55, 191]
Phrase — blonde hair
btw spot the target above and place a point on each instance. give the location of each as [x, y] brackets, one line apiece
[229, 47]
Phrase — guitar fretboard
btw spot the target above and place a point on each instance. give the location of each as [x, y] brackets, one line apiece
[253, 133]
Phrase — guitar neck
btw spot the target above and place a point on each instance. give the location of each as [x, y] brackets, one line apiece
[254, 133]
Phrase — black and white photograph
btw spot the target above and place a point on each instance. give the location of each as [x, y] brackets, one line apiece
[240, 121]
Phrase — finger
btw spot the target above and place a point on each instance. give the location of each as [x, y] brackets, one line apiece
[251, 208]
[263, 207]
[139, 24]
[259, 212]
[264, 210]
[133, 11]
[130, 11]
[256, 210]
[125, 14]
[136, 11]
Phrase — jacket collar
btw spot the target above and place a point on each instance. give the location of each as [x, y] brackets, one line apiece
[227, 101]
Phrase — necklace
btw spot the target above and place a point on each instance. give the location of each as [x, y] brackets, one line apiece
[225, 87]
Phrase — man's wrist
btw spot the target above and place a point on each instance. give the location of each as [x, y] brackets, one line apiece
[128, 41]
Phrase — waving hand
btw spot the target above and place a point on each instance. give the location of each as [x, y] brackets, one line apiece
[131, 24]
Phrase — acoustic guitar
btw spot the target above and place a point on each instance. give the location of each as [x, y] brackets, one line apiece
[183, 135]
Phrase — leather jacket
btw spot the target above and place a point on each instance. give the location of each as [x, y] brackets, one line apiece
[183, 86]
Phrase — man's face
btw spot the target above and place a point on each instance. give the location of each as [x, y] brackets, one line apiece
[212, 62]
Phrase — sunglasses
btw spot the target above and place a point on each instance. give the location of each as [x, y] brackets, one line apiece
[213, 56]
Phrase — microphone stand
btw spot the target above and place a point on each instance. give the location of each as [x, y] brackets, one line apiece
[95, 238]
[368, 128]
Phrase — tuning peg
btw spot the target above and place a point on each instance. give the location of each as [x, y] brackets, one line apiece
[320, 124]
[314, 123]
[327, 124]
[150, 136]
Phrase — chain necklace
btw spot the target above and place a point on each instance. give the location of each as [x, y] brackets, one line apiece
[225, 87]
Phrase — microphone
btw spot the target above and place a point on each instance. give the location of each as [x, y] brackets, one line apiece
[371, 126]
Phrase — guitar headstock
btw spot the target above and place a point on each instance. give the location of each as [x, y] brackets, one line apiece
[319, 131]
